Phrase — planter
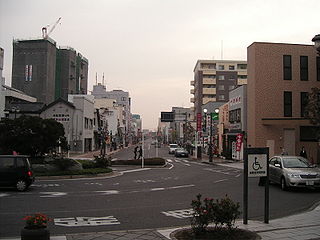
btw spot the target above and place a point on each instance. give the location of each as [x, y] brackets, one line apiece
[35, 234]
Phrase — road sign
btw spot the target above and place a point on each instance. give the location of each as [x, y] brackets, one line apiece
[257, 165]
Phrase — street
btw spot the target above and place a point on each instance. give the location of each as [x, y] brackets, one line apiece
[140, 198]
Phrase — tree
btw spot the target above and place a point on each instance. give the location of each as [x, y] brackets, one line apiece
[313, 106]
[30, 135]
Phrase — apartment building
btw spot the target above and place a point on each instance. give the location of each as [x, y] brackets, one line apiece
[213, 79]
[280, 76]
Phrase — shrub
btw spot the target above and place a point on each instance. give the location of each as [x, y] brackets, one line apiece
[202, 214]
[102, 162]
[220, 212]
[64, 163]
[226, 212]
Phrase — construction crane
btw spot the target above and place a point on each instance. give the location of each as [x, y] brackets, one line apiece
[45, 33]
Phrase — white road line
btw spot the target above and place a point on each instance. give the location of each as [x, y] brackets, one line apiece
[172, 166]
[169, 160]
[4, 195]
[182, 186]
[222, 180]
[157, 189]
[53, 194]
[109, 192]
[135, 170]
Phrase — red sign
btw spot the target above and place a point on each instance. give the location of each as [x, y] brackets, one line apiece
[239, 142]
[199, 122]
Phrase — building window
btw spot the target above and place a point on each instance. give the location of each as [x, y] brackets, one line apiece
[318, 68]
[304, 68]
[235, 116]
[287, 102]
[221, 67]
[287, 69]
[221, 87]
[242, 66]
[304, 102]
[221, 97]
[221, 77]
[309, 133]
[231, 67]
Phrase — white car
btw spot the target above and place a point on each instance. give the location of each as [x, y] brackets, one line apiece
[172, 148]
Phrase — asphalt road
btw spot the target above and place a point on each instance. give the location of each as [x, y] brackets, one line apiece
[140, 198]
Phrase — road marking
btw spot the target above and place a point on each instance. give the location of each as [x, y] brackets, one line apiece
[85, 221]
[135, 170]
[4, 195]
[53, 194]
[222, 180]
[186, 164]
[144, 181]
[182, 186]
[157, 189]
[169, 160]
[46, 185]
[94, 184]
[109, 192]
[184, 213]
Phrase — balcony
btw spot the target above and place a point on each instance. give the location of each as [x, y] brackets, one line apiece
[192, 83]
[206, 100]
[192, 91]
[192, 100]
[209, 91]
[209, 81]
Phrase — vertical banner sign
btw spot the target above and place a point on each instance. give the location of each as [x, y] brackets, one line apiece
[199, 121]
[26, 72]
[239, 141]
[30, 73]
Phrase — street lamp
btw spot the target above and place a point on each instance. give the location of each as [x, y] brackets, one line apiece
[316, 40]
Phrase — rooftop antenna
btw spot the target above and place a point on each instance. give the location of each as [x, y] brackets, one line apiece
[96, 78]
[103, 79]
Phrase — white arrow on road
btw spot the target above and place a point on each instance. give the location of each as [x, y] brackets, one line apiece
[53, 194]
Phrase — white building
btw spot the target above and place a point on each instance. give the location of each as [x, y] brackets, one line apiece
[123, 100]
[77, 118]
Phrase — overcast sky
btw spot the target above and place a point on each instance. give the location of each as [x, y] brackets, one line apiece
[150, 47]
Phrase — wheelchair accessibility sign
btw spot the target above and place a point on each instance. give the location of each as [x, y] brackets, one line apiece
[257, 165]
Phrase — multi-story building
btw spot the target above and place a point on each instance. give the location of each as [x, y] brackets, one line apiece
[213, 79]
[34, 68]
[123, 100]
[41, 70]
[2, 82]
[280, 76]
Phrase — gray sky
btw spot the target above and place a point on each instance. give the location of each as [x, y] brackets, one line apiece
[150, 47]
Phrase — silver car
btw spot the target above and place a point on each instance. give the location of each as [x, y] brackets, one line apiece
[293, 171]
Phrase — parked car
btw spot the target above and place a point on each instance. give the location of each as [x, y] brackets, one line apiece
[293, 171]
[15, 171]
[181, 152]
[172, 148]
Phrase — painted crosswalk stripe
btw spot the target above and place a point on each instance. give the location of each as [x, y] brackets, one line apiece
[85, 221]
[184, 213]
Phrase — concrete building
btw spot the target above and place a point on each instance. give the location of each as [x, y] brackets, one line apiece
[233, 138]
[34, 68]
[41, 70]
[279, 79]
[71, 73]
[213, 79]
[123, 100]
[2, 83]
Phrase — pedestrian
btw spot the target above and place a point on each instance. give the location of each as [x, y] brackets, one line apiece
[303, 152]
[135, 152]
[140, 152]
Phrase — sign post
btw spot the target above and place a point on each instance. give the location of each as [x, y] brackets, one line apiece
[256, 164]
